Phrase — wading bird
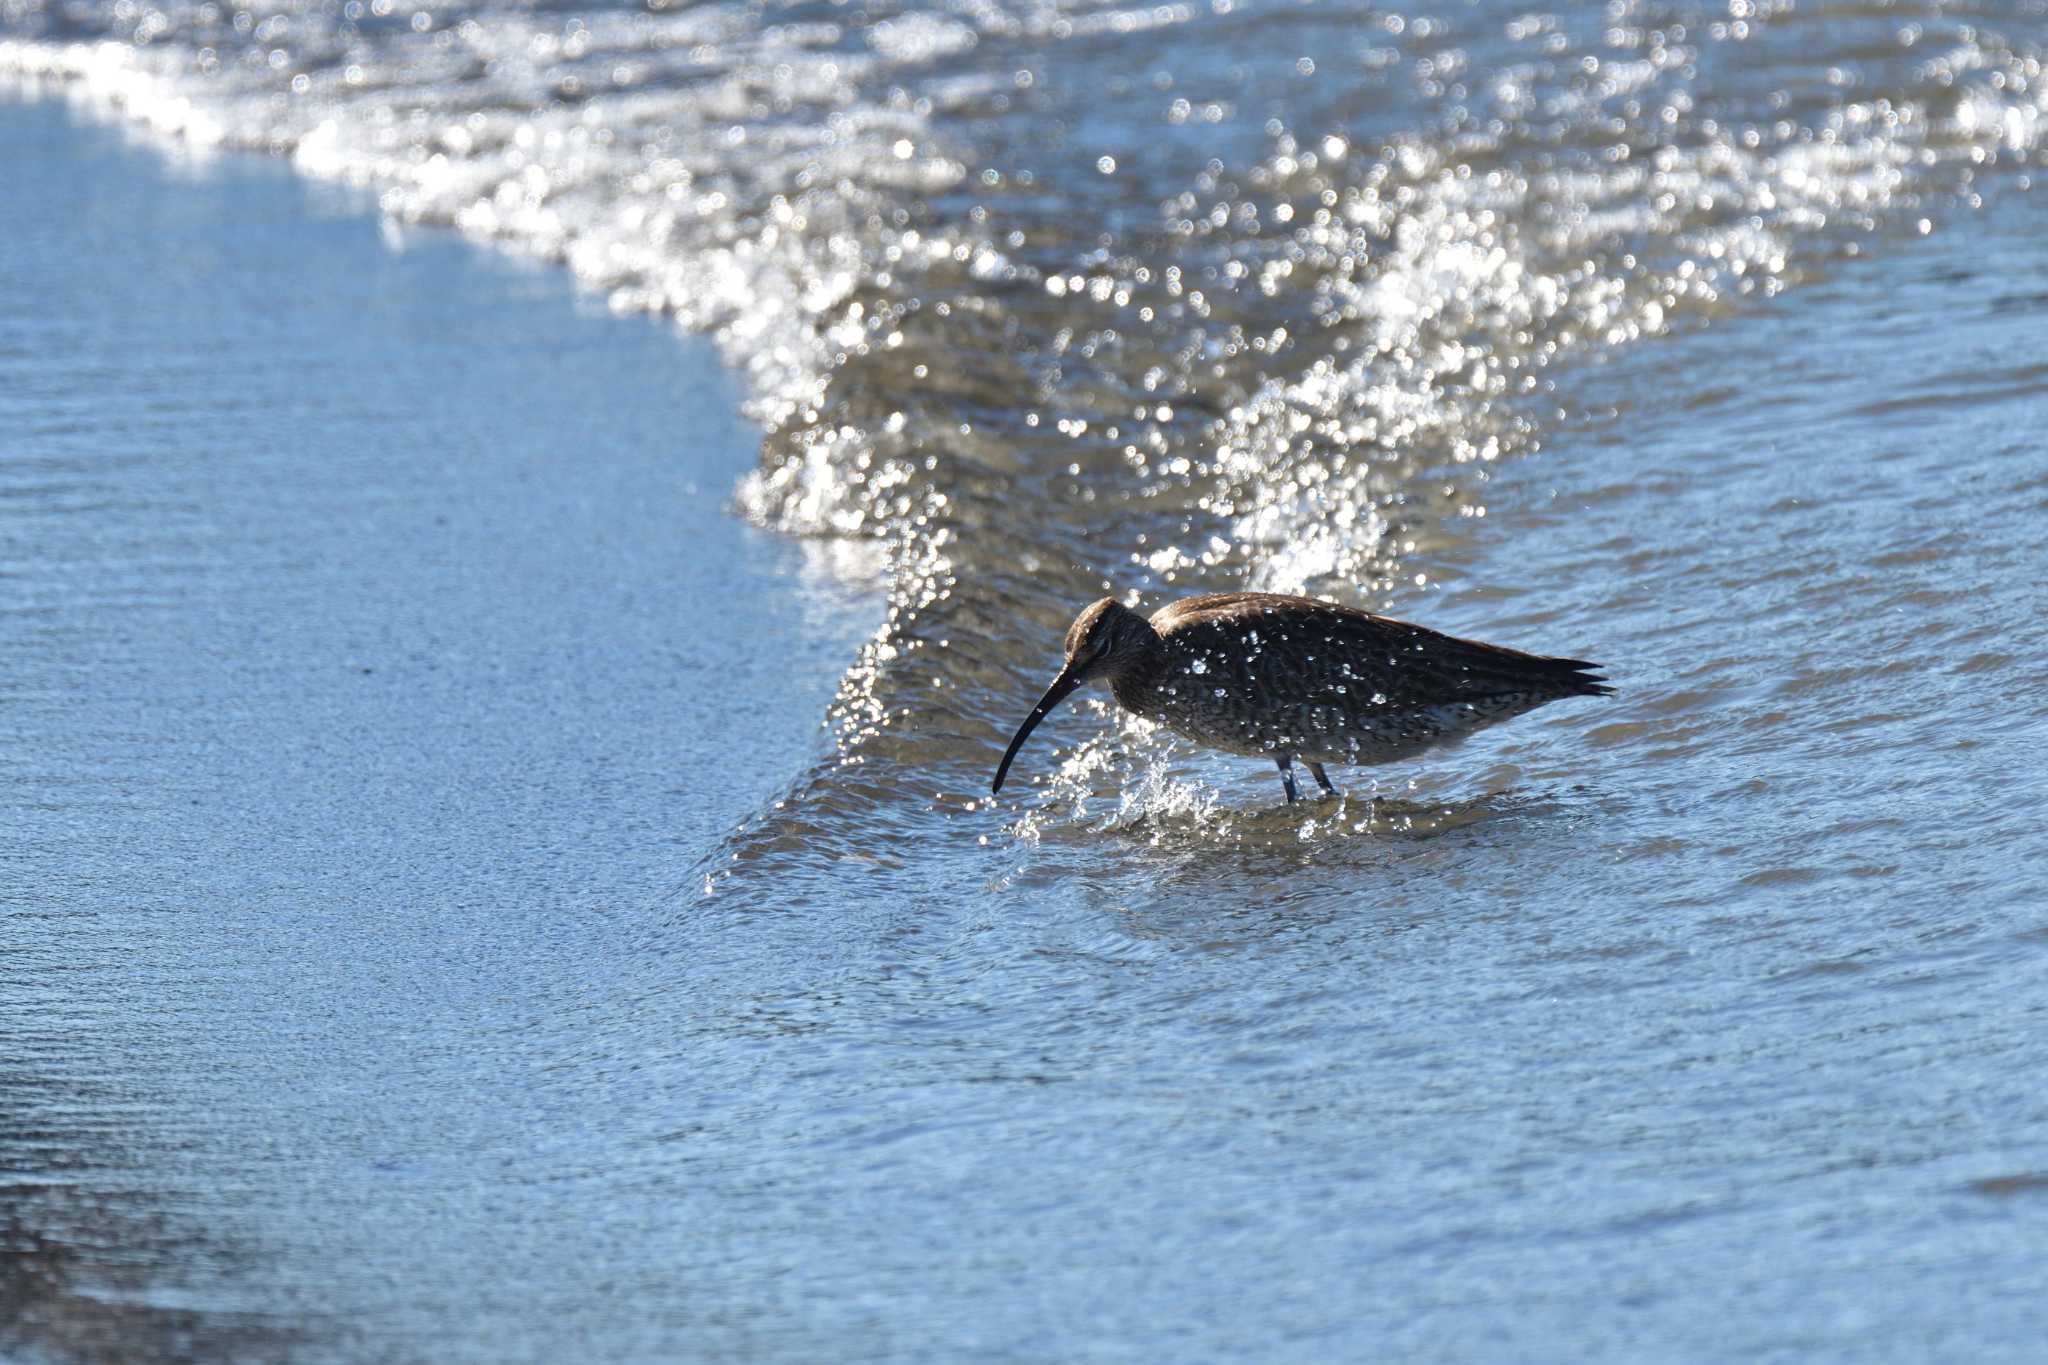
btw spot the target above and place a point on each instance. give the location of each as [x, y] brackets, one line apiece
[1291, 678]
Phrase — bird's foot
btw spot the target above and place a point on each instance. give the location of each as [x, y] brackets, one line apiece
[1287, 778]
[1323, 780]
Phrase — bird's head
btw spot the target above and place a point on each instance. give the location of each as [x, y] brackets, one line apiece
[1106, 640]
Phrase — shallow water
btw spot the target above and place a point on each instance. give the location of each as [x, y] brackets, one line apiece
[497, 1003]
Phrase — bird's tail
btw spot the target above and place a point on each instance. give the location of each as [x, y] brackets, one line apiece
[1579, 678]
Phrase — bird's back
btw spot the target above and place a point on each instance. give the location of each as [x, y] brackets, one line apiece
[1262, 673]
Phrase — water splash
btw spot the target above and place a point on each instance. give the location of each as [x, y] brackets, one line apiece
[1224, 321]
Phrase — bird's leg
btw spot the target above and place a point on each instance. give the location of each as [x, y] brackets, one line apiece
[1322, 778]
[1286, 763]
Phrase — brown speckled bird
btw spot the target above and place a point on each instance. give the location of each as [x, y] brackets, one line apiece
[1291, 678]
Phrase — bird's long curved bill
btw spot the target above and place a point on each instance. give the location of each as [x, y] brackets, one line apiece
[1066, 682]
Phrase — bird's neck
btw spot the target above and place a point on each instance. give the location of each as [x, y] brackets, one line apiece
[1133, 683]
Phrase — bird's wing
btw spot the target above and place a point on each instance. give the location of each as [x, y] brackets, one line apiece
[1303, 650]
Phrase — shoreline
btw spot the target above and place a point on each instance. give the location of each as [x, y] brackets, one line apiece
[380, 644]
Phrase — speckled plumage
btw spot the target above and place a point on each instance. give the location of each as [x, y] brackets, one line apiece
[1292, 678]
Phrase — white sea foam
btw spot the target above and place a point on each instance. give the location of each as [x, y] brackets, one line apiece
[1264, 362]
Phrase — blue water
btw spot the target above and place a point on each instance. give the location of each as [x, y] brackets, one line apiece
[499, 858]
[373, 673]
